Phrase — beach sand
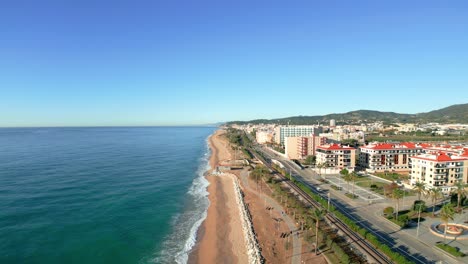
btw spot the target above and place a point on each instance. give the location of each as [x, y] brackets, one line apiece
[220, 238]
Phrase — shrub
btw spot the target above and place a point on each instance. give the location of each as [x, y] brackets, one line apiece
[388, 210]
[452, 250]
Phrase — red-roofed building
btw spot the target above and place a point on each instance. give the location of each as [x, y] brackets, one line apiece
[439, 170]
[336, 156]
[388, 156]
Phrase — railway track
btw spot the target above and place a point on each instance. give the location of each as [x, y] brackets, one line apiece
[364, 246]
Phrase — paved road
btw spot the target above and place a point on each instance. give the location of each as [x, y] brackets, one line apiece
[297, 243]
[367, 216]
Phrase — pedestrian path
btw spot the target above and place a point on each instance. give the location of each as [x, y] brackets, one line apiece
[296, 241]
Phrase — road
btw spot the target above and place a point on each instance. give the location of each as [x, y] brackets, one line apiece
[367, 216]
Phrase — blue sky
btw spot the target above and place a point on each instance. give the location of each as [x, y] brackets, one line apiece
[193, 62]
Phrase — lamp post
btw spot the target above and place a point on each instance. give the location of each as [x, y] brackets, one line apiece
[328, 201]
[419, 217]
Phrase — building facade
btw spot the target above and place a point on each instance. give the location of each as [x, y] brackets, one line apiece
[301, 147]
[295, 131]
[388, 156]
[438, 170]
[263, 137]
[336, 156]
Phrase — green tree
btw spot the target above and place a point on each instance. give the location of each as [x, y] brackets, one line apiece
[259, 172]
[446, 214]
[420, 188]
[317, 215]
[435, 194]
[353, 179]
[461, 191]
[397, 194]
[346, 176]
[310, 160]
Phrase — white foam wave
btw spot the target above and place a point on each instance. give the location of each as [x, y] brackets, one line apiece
[186, 225]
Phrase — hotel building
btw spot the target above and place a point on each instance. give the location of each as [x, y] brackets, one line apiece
[295, 131]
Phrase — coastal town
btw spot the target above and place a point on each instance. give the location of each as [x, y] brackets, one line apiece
[340, 193]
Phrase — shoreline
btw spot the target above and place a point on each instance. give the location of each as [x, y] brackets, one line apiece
[220, 238]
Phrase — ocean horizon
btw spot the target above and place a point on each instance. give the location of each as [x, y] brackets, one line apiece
[102, 194]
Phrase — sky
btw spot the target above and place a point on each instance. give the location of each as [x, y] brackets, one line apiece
[113, 63]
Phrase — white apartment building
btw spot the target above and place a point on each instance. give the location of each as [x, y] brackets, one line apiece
[336, 156]
[438, 170]
[295, 131]
[388, 156]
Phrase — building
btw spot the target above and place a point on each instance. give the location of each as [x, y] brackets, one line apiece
[295, 131]
[388, 156]
[263, 137]
[337, 156]
[332, 123]
[438, 170]
[301, 147]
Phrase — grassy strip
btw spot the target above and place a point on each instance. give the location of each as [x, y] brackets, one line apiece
[395, 256]
[451, 250]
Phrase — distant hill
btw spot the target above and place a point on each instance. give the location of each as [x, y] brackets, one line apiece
[451, 114]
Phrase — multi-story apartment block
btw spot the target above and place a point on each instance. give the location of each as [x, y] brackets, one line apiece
[388, 157]
[295, 131]
[301, 147]
[438, 170]
[337, 156]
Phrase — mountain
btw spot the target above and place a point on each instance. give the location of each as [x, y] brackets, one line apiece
[451, 114]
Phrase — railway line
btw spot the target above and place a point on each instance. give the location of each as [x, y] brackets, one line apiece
[374, 255]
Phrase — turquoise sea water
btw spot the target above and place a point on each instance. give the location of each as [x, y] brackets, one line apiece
[101, 195]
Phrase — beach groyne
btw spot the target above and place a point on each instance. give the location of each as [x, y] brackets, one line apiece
[253, 248]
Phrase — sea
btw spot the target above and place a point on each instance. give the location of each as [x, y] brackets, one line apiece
[102, 194]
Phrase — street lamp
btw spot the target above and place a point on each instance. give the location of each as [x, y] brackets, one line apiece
[328, 201]
[419, 217]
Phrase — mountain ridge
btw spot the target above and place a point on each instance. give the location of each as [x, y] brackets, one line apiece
[457, 113]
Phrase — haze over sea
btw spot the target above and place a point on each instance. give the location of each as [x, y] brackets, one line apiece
[101, 195]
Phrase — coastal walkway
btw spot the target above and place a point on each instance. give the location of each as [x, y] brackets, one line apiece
[296, 241]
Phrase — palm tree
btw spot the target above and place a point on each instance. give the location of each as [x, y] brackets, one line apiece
[420, 188]
[318, 215]
[353, 179]
[346, 177]
[435, 194]
[397, 194]
[446, 214]
[460, 190]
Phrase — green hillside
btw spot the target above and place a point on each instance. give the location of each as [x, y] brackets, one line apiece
[451, 114]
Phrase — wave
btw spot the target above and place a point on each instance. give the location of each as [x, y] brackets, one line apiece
[186, 225]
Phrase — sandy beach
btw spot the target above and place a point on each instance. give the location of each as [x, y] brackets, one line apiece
[220, 238]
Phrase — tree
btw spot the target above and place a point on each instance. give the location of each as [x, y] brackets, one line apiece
[345, 173]
[310, 160]
[420, 188]
[353, 179]
[461, 191]
[259, 172]
[446, 214]
[397, 194]
[317, 215]
[435, 193]
[320, 166]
